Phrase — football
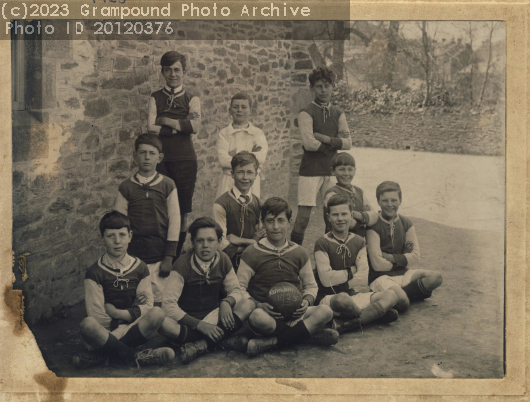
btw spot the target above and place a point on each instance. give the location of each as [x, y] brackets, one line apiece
[285, 298]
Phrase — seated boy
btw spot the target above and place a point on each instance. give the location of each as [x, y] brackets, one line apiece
[174, 114]
[239, 136]
[194, 316]
[343, 168]
[119, 303]
[342, 274]
[392, 251]
[150, 200]
[324, 130]
[237, 211]
[272, 260]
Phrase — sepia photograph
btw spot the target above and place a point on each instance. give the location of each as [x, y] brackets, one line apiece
[263, 199]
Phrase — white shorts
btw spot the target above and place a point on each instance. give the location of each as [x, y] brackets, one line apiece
[293, 322]
[385, 282]
[361, 300]
[212, 317]
[158, 284]
[310, 186]
[118, 332]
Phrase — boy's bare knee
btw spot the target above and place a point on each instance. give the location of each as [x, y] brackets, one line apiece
[324, 313]
[342, 303]
[157, 315]
[437, 279]
[261, 321]
[244, 307]
[390, 297]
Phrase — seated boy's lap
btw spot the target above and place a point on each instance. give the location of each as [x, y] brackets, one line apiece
[283, 325]
[361, 301]
[310, 186]
[385, 282]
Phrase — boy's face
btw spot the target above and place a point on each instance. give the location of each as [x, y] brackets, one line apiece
[344, 174]
[173, 74]
[206, 244]
[389, 202]
[244, 176]
[147, 157]
[240, 111]
[340, 216]
[276, 228]
[322, 91]
[116, 242]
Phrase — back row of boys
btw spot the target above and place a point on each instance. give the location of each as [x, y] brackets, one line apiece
[134, 290]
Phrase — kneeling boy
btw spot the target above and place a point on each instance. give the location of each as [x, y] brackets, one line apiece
[272, 260]
[393, 249]
[195, 317]
[342, 273]
[119, 303]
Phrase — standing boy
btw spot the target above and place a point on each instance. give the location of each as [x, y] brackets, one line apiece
[393, 249]
[174, 115]
[119, 303]
[239, 136]
[342, 274]
[150, 200]
[272, 260]
[195, 317]
[343, 168]
[324, 130]
[237, 211]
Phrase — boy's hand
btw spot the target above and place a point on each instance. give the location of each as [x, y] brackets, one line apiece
[211, 331]
[226, 315]
[259, 234]
[165, 121]
[142, 298]
[256, 148]
[232, 153]
[301, 311]
[193, 115]
[409, 247]
[111, 311]
[389, 257]
[269, 310]
[165, 266]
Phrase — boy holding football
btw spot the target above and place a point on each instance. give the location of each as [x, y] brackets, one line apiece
[273, 260]
[393, 250]
[342, 274]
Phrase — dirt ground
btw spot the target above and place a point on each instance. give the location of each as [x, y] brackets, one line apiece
[458, 331]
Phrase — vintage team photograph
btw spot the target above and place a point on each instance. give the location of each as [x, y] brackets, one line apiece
[266, 199]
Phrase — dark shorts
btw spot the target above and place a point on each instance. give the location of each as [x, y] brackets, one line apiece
[184, 174]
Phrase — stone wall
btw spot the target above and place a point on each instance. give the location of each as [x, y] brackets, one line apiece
[87, 102]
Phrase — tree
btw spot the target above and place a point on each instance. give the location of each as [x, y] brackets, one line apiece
[492, 27]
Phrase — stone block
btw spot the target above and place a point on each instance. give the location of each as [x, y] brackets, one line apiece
[235, 46]
[234, 70]
[97, 108]
[263, 52]
[222, 74]
[70, 161]
[81, 127]
[88, 209]
[61, 204]
[303, 65]
[91, 142]
[220, 51]
[246, 73]
[262, 79]
[105, 153]
[69, 66]
[253, 61]
[265, 67]
[72, 103]
[299, 55]
[118, 166]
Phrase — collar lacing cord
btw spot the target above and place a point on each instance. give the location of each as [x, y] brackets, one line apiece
[118, 280]
[202, 271]
[171, 98]
[345, 251]
[325, 110]
[244, 201]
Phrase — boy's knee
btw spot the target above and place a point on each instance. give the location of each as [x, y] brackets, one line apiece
[390, 297]
[244, 307]
[88, 326]
[156, 316]
[436, 279]
[324, 314]
[342, 303]
[403, 302]
[261, 321]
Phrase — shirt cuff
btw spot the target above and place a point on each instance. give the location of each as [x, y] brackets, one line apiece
[185, 126]
[190, 321]
[401, 260]
[310, 299]
[336, 143]
[171, 248]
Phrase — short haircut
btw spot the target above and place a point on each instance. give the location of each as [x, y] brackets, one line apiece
[275, 206]
[205, 223]
[338, 199]
[387, 186]
[149, 139]
[322, 73]
[241, 96]
[244, 158]
[342, 159]
[170, 58]
[114, 220]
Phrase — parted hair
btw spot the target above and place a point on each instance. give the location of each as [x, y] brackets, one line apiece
[275, 206]
[387, 186]
[170, 58]
[322, 73]
[338, 199]
[244, 158]
[205, 222]
[114, 220]
[149, 139]
[342, 159]
[241, 96]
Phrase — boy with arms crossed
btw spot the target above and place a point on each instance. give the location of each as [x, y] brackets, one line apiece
[237, 211]
[343, 168]
[272, 260]
[175, 114]
[324, 130]
[393, 249]
[195, 317]
[342, 273]
[119, 303]
[150, 201]
[239, 136]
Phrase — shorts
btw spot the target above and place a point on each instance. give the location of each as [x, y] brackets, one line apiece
[118, 332]
[361, 301]
[212, 317]
[284, 325]
[385, 282]
[310, 186]
[184, 174]
[158, 284]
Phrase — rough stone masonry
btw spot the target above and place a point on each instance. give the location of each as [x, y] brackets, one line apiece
[86, 102]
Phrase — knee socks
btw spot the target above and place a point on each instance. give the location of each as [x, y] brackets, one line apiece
[114, 348]
[416, 291]
[293, 335]
[133, 337]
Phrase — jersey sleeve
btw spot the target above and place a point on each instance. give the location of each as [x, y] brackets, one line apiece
[231, 286]
[374, 252]
[173, 231]
[219, 215]
[223, 144]
[244, 275]
[144, 287]
[192, 124]
[360, 276]
[305, 122]
[309, 284]
[344, 132]
[152, 128]
[120, 203]
[327, 275]
[95, 303]
[261, 141]
[414, 256]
